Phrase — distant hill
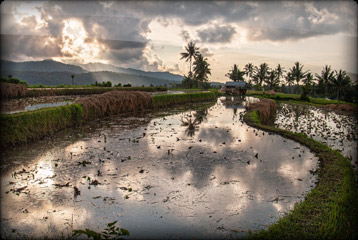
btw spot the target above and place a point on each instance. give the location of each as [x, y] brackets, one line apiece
[91, 67]
[58, 78]
[40, 66]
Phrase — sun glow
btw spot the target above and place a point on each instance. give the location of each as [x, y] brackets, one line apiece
[76, 44]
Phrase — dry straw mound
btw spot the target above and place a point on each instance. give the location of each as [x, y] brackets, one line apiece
[114, 102]
[266, 109]
[11, 90]
[342, 108]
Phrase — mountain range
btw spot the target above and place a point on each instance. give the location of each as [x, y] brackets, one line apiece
[52, 73]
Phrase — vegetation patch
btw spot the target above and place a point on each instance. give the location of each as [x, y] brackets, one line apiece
[12, 90]
[28, 126]
[266, 109]
[86, 91]
[330, 210]
[166, 100]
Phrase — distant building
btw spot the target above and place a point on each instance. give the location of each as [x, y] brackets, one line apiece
[235, 88]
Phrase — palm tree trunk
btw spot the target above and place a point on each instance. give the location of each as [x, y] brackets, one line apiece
[190, 63]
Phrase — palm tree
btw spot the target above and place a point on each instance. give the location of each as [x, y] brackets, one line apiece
[289, 80]
[340, 82]
[279, 72]
[235, 74]
[73, 77]
[272, 79]
[261, 74]
[249, 70]
[325, 78]
[191, 52]
[307, 87]
[201, 68]
[297, 72]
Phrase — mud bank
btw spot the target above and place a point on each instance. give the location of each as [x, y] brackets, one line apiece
[28, 126]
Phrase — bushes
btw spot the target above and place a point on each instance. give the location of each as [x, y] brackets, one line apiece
[266, 109]
[28, 126]
[11, 90]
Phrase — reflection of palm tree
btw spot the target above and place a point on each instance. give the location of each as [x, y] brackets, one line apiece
[199, 116]
[191, 52]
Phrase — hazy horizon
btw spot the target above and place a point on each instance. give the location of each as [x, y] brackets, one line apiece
[150, 35]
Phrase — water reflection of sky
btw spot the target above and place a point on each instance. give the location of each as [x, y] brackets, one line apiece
[156, 179]
[336, 130]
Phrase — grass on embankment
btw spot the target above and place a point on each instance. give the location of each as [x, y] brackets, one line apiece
[24, 127]
[28, 126]
[295, 98]
[31, 92]
[330, 210]
[160, 101]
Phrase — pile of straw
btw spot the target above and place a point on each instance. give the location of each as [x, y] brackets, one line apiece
[342, 108]
[266, 109]
[11, 90]
[114, 102]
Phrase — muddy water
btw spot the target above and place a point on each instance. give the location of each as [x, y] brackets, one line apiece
[197, 174]
[31, 104]
[336, 130]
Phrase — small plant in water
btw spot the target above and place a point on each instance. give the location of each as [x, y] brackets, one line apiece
[110, 232]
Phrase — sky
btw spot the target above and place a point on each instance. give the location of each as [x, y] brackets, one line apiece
[150, 35]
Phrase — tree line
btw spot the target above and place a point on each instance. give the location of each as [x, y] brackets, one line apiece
[329, 83]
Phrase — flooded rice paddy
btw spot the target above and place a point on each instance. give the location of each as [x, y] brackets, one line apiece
[195, 174]
[336, 130]
[30, 104]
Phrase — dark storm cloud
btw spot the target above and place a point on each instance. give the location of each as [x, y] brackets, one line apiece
[217, 34]
[17, 46]
[118, 45]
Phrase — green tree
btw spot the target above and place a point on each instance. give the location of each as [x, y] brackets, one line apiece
[261, 74]
[325, 79]
[279, 73]
[272, 79]
[341, 82]
[307, 86]
[191, 51]
[235, 74]
[201, 69]
[73, 79]
[297, 73]
[249, 70]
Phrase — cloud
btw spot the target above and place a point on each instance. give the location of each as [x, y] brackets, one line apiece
[217, 34]
[18, 47]
[205, 52]
[185, 35]
[121, 27]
